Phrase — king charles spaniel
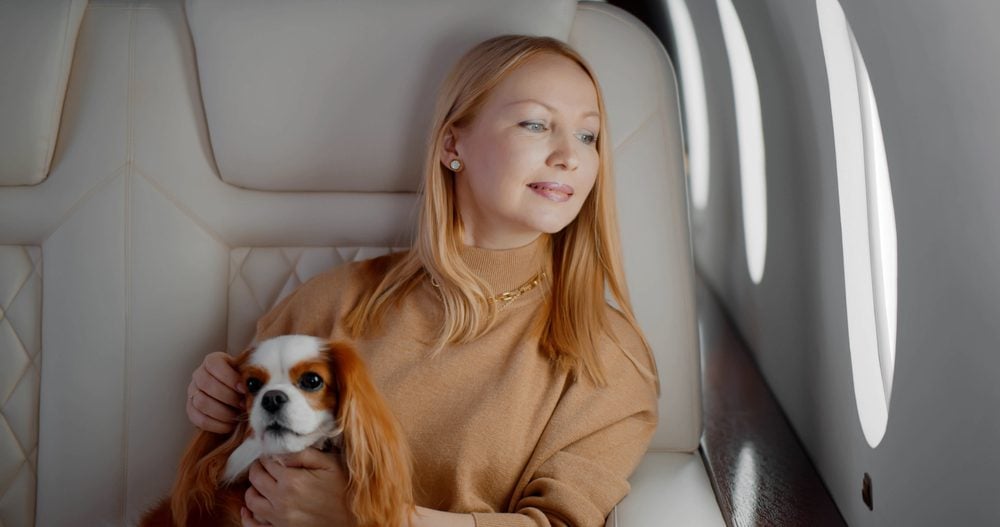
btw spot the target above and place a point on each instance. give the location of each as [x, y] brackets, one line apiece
[302, 392]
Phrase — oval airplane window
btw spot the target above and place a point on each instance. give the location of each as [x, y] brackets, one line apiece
[693, 97]
[750, 133]
[867, 221]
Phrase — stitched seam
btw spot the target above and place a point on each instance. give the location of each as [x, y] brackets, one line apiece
[253, 294]
[17, 443]
[27, 352]
[635, 131]
[291, 268]
[237, 275]
[202, 224]
[127, 254]
[294, 265]
[3, 490]
[20, 286]
[124, 7]
[56, 116]
[229, 294]
[101, 183]
[38, 388]
[27, 368]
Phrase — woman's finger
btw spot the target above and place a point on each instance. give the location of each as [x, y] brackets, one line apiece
[262, 479]
[212, 408]
[246, 520]
[205, 422]
[311, 458]
[258, 505]
[246, 517]
[220, 365]
[213, 387]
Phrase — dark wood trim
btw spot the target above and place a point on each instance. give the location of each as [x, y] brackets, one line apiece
[760, 472]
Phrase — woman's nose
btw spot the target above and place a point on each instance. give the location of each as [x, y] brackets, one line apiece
[563, 153]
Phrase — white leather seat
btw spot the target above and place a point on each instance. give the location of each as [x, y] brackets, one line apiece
[211, 157]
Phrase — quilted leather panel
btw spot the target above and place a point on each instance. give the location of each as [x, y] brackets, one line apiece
[20, 362]
[260, 277]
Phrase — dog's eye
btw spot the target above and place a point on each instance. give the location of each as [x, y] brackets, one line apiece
[254, 384]
[310, 381]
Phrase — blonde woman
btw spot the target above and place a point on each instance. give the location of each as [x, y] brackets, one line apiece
[527, 399]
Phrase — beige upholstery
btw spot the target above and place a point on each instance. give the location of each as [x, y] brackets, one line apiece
[260, 276]
[185, 197]
[282, 63]
[37, 39]
[20, 360]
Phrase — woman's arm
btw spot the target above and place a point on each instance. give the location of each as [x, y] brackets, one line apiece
[592, 443]
[309, 488]
[432, 518]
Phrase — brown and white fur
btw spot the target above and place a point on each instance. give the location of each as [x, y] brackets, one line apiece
[302, 392]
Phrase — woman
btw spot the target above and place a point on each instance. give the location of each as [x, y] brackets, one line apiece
[526, 399]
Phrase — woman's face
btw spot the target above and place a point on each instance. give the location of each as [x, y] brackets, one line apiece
[530, 154]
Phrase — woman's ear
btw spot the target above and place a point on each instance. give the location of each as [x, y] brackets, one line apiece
[377, 459]
[449, 146]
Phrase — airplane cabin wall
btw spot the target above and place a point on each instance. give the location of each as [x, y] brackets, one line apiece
[934, 73]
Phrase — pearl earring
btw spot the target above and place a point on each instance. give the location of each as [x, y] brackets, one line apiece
[455, 165]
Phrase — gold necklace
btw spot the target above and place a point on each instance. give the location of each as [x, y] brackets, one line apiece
[508, 296]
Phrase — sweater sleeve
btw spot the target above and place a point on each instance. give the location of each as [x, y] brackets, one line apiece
[591, 445]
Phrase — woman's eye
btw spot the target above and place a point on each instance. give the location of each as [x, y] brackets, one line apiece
[586, 138]
[254, 384]
[533, 126]
[310, 381]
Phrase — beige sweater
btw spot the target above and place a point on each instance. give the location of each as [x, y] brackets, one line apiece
[495, 430]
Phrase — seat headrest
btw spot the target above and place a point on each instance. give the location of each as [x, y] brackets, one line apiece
[309, 96]
[37, 40]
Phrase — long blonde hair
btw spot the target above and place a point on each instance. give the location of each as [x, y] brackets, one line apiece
[585, 256]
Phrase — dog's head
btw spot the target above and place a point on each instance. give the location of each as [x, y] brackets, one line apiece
[303, 391]
[292, 393]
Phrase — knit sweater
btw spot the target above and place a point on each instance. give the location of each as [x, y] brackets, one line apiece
[495, 429]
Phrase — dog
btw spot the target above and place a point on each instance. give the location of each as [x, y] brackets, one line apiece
[302, 392]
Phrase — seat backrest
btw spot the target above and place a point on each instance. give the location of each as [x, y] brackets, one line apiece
[214, 155]
[37, 41]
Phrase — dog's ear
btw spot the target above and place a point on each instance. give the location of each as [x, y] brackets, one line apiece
[201, 468]
[380, 487]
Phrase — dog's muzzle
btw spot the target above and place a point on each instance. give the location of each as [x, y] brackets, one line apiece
[273, 401]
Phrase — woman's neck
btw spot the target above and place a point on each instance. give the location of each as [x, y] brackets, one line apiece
[507, 269]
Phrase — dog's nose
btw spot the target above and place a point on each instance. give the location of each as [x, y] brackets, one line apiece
[274, 400]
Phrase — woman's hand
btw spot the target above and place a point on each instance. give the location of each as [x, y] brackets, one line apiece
[214, 397]
[304, 489]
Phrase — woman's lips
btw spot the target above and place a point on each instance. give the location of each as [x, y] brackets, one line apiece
[553, 191]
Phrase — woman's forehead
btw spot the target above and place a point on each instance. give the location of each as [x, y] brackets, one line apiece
[555, 82]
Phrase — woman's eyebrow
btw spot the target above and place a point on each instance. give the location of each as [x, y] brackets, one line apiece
[591, 113]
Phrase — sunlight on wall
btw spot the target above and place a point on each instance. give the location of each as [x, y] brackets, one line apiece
[867, 219]
[692, 80]
[750, 132]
